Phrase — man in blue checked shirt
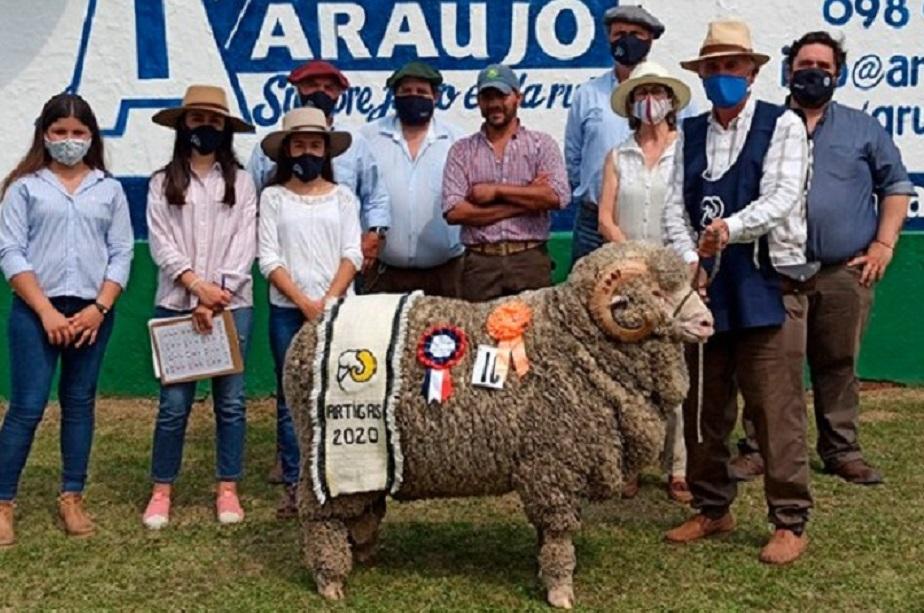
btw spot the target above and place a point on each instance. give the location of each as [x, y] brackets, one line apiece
[593, 129]
[423, 251]
[319, 85]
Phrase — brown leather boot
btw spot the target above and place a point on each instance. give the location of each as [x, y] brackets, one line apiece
[699, 527]
[73, 516]
[7, 534]
[856, 471]
[678, 490]
[785, 546]
[746, 466]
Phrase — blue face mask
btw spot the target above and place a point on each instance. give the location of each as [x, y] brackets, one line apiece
[725, 90]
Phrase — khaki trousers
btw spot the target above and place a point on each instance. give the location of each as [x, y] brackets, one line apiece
[485, 277]
[838, 310]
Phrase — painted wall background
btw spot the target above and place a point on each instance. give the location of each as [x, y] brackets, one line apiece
[130, 58]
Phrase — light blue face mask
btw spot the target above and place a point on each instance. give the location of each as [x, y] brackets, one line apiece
[726, 91]
[69, 151]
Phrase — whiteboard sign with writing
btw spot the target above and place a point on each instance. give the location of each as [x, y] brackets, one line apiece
[491, 366]
[182, 354]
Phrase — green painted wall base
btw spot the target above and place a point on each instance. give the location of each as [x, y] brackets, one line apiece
[893, 349]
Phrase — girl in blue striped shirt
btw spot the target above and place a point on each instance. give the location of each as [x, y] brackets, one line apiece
[65, 248]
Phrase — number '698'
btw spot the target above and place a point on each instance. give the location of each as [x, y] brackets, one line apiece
[893, 12]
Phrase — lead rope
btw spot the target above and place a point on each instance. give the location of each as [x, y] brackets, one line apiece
[701, 350]
[699, 396]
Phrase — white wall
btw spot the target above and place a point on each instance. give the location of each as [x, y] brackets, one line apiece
[130, 58]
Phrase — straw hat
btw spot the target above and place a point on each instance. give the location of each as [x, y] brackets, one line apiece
[306, 120]
[649, 73]
[725, 39]
[202, 98]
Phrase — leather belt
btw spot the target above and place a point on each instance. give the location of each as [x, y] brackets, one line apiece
[504, 248]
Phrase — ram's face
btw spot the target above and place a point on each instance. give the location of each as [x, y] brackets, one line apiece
[690, 317]
[630, 302]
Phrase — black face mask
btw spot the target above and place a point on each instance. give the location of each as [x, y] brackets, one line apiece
[414, 110]
[812, 87]
[307, 167]
[629, 50]
[204, 139]
[319, 100]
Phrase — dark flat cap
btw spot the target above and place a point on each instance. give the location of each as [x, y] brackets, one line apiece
[636, 15]
[417, 70]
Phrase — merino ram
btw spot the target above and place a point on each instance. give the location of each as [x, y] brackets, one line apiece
[606, 368]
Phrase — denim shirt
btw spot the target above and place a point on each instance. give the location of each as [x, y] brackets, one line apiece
[72, 242]
[854, 163]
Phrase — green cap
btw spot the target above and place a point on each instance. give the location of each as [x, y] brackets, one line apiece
[500, 77]
[417, 70]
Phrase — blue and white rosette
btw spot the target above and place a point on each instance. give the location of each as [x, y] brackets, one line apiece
[440, 348]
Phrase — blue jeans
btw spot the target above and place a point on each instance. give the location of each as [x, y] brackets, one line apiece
[586, 237]
[32, 368]
[284, 324]
[230, 418]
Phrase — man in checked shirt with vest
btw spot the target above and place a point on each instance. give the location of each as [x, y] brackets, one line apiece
[738, 187]
[499, 184]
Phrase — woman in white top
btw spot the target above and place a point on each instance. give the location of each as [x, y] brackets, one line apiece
[635, 178]
[308, 248]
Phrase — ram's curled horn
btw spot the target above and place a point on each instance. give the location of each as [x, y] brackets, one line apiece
[607, 290]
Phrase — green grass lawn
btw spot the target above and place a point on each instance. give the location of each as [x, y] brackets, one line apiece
[865, 551]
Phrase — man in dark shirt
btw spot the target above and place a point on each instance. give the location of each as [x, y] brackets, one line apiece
[857, 202]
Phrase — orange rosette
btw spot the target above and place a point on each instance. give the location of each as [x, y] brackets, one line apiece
[506, 324]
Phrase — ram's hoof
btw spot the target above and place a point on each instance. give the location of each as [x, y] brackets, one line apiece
[331, 591]
[364, 554]
[561, 597]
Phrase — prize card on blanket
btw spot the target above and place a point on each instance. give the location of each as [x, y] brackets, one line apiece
[357, 368]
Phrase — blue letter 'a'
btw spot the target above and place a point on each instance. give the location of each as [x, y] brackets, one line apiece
[151, 39]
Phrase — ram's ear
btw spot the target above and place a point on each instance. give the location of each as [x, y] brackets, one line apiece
[608, 297]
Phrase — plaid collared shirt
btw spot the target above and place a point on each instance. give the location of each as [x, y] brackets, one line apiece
[779, 211]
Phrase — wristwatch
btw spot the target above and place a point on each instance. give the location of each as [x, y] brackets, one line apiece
[102, 308]
[380, 230]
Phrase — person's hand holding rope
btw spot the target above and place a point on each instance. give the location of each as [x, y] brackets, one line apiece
[713, 239]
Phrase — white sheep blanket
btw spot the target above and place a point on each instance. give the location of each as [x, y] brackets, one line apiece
[357, 377]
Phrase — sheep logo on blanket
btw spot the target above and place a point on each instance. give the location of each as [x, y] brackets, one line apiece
[356, 447]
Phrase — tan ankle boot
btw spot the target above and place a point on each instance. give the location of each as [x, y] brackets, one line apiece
[72, 514]
[7, 535]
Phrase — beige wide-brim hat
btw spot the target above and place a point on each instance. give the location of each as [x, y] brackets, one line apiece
[644, 74]
[305, 120]
[725, 39]
[202, 98]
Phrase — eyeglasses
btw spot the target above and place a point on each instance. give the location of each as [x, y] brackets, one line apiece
[657, 91]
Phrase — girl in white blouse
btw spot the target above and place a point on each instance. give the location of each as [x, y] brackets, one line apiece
[635, 178]
[308, 248]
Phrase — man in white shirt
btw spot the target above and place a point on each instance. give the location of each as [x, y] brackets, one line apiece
[738, 185]
[422, 252]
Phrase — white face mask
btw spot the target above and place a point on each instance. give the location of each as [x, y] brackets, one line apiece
[652, 110]
[69, 151]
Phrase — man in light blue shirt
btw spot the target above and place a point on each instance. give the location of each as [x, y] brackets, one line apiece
[422, 251]
[593, 129]
[319, 85]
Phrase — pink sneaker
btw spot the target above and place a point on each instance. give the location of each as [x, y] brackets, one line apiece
[157, 515]
[228, 507]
